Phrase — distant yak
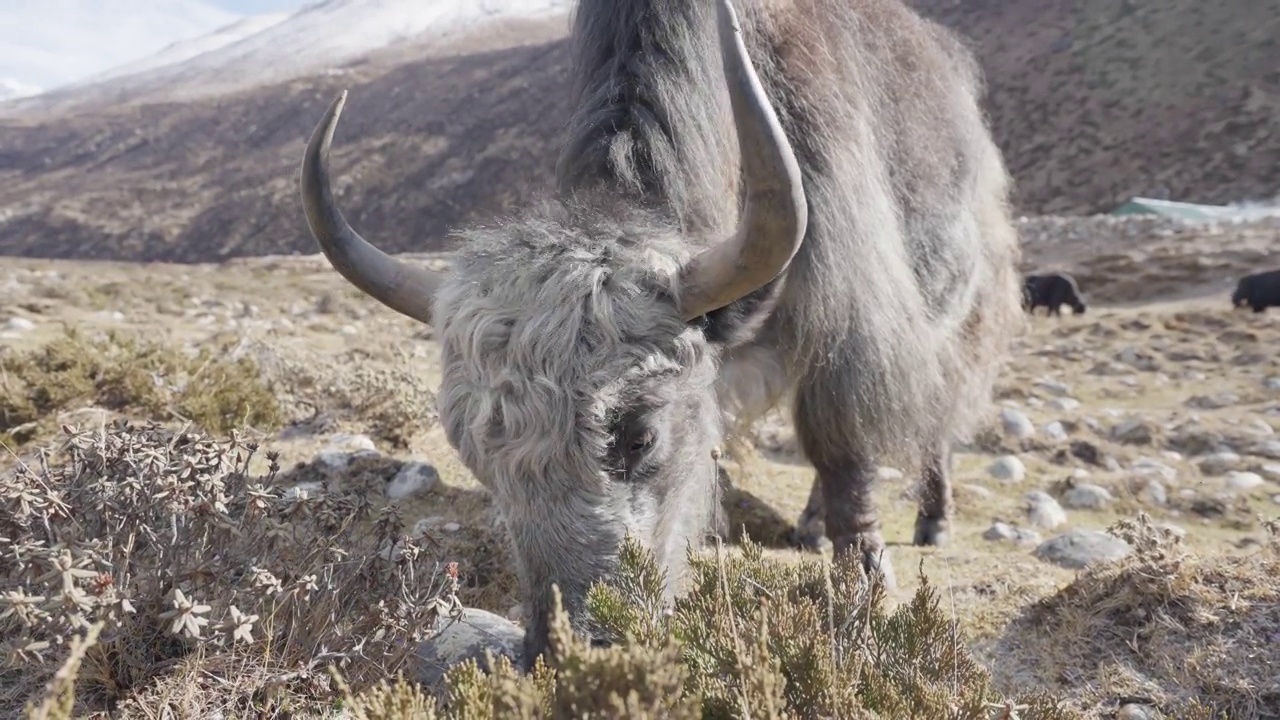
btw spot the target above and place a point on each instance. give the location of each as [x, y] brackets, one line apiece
[1259, 291]
[1052, 290]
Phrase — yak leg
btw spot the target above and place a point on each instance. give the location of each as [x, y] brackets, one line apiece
[933, 521]
[842, 488]
[811, 530]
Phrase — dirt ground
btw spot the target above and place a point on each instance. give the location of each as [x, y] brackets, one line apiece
[1179, 391]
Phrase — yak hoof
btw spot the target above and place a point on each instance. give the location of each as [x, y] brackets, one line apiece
[875, 557]
[811, 532]
[935, 532]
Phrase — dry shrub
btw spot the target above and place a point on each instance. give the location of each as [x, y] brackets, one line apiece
[201, 571]
[391, 401]
[131, 375]
[1197, 637]
[754, 638]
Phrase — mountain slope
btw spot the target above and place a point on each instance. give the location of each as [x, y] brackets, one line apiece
[1090, 107]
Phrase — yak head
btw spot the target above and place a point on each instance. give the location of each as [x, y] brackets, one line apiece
[580, 350]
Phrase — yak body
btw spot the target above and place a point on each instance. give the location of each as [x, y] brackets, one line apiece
[1052, 291]
[575, 391]
[1259, 291]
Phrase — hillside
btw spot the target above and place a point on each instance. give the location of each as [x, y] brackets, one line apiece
[1173, 98]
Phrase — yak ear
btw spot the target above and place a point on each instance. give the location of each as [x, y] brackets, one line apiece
[740, 320]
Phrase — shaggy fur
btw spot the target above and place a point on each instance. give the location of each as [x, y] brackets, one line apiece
[1259, 291]
[573, 390]
[1051, 291]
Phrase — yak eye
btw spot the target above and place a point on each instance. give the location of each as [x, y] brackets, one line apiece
[643, 442]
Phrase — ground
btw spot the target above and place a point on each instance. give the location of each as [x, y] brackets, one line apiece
[1159, 383]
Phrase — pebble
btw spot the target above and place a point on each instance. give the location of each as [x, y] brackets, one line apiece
[1007, 468]
[1271, 383]
[1016, 423]
[455, 641]
[1087, 496]
[1079, 549]
[413, 478]
[1063, 404]
[1271, 471]
[1132, 432]
[888, 474]
[1269, 449]
[1150, 491]
[1149, 467]
[1043, 511]
[1244, 481]
[1053, 387]
[18, 324]
[451, 527]
[1000, 531]
[1134, 711]
[1055, 431]
[1218, 463]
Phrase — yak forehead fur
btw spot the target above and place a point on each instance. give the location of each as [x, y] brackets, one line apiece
[549, 329]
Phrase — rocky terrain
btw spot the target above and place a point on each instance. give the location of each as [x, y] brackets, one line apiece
[1091, 103]
[1158, 400]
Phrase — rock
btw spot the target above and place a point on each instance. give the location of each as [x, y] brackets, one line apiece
[977, 491]
[1043, 511]
[1268, 449]
[1055, 432]
[1000, 531]
[451, 527]
[1243, 481]
[1276, 498]
[1270, 471]
[1260, 427]
[1149, 467]
[888, 474]
[1150, 491]
[1213, 402]
[351, 443]
[1080, 549]
[1007, 468]
[1053, 387]
[414, 478]
[18, 324]
[1086, 496]
[457, 640]
[1133, 432]
[1134, 711]
[1218, 463]
[1063, 404]
[1272, 383]
[1016, 424]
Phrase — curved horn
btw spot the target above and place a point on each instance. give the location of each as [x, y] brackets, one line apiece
[774, 220]
[405, 288]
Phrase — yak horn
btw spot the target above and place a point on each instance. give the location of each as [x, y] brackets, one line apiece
[776, 216]
[405, 288]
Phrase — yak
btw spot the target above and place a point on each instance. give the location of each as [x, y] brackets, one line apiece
[755, 201]
[1052, 291]
[1259, 291]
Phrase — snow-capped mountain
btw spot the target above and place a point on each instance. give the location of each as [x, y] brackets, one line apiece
[46, 44]
[270, 48]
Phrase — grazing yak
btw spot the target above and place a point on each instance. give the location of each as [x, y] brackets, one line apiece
[1052, 291]
[794, 197]
[1259, 291]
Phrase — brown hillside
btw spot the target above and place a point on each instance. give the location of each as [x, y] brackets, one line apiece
[1091, 105]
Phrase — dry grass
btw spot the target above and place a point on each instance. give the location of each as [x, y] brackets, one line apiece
[1197, 636]
[215, 389]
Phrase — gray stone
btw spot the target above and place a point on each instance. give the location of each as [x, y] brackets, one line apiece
[1238, 481]
[1271, 383]
[414, 478]
[1055, 432]
[1016, 424]
[468, 637]
[1269, 449]
[1149, 467]
[1134, 711]
[451, 527]
[888, 474]
[1133, 432]
[1007, 468]
[1218, 463]
[1260, 427]
[976, 491]
[1086, 496]
[1079, 549]
[1150, 491]
[1043, 511]
[1270, 471]
[1001, 532]
[1053, 387]
[1063, 404]
[1213, 402]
